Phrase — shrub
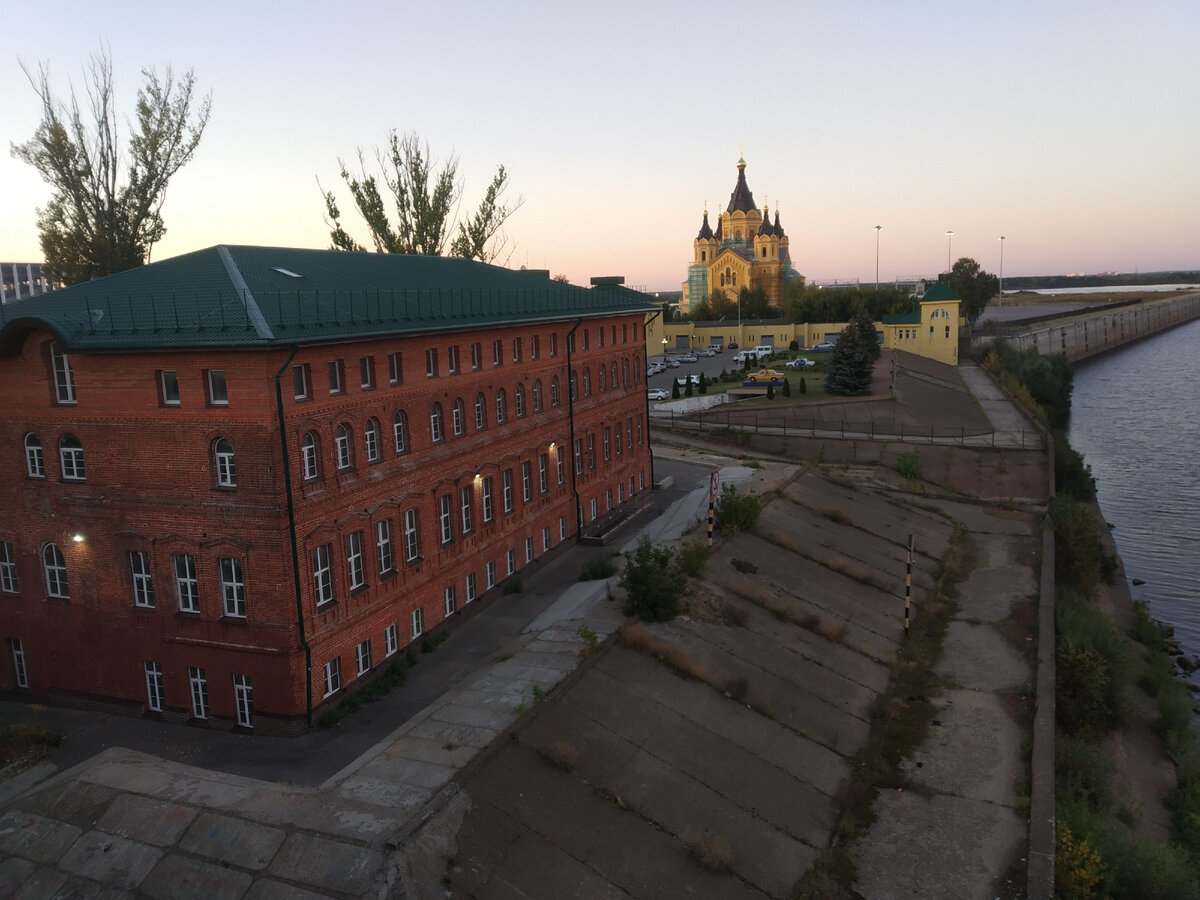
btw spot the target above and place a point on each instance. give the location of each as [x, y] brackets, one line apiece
[693, 556]
[589, 636]
[1071, 475]
[736, 511]
[653, 581]
[674, 389]
[770, 390]
[787, 388]
[1092, 667]
[514, 587]
[1078, 553]
[1078, 868]
[794, 345]
[803, 385]
[713, 853]
[906, 464]
[687, 390]
[703, 383]
[433, 641]
[599, 568]
[560, 754]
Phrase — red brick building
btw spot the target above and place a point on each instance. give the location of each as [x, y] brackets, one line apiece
[236, 481]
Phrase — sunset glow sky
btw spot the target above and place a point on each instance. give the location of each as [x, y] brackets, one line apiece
[1071, 128]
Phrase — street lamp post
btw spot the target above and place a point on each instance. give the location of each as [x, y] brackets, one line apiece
[878, 228]
[949, 243]
[1000, 302]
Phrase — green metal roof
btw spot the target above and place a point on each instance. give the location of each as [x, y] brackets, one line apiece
[940, 292]
[233, 296]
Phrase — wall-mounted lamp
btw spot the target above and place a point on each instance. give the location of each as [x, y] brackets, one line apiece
[78, 539]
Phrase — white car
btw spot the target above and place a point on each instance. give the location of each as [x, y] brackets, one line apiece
[682, 380]
[800, 363]
[657, 394]
[708, 351]
[672, 362]
[688, 358]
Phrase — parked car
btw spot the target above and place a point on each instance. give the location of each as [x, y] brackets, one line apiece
[709, 351]
[657, 394]
[688, 358]
[672, 362]
[764, 376]
[800, 363]
[823, 347]
[655, 368]
[684, 379]
[733, 345]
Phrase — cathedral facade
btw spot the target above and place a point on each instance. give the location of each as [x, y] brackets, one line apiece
[747, 249]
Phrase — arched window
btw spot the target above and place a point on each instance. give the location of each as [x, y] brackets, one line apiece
[371, 439]
[537, 395]
[554, 391]
[574, 386]
[501, 406]
[436, 424]
[520, 401]
[224, 463]
[70, 452]
[587, 382]
[309, 458]
[34, 464]
[480, 412]
[56, 572]
[458, 416]
[344, 446]
[400, 431]
[613, 380]
[603, 385]
[625, 372]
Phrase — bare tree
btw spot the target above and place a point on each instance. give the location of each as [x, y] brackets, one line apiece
[426, 202]
[105, 213]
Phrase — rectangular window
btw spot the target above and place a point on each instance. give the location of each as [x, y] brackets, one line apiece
[510, 560]
[607, 444]
[169, 381]
[629, 433]
[8, 568]
[466, 497]
[366, 372]
[516, 349]
[528, 549]
[333, 676]
[412, 545]
[354, 561]
[639, 429]
[490, 573]
[507, 480]
[620, 446]
[476, 357]
[471, 587]
[418, 622]
[450, 600]
[154, 686]
[322, 575]
[562, 475]
[578, 456]
[593, 510]
[554, 343]
[546, 538]
[383, 545]
[391, 639]
[187, 589]
[226, 464]
[300, 382]
[362, 658]
[544, 473]
[22, 673]
[489, 511]
[608, 500]
[535, 347]
[217, 393]
[198, 683]
[452, 359]
[395, 369]
[562, 528]
[446, 519]
[64, 378]
[497, 353]
[336, 377]
[70, 455]
[233, 589]
[586, 338]
[431, 363]
[601, 333]
[243, 697]
[35, 465]
[143, 587]
[591, 453]
[526, 482]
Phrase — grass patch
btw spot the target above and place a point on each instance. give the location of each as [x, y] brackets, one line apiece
[693, 557]
[834, 514]
[710, 851]
[639, 637]
[779, 539]
[23, 745]
[588, 634]
[391, 677]
[600, 568]
[560, 754]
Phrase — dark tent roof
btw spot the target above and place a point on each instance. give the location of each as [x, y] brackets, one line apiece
[741, 200]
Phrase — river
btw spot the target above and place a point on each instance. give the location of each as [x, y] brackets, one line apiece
[1136, 419]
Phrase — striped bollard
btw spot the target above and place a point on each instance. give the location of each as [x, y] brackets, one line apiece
[908, 585]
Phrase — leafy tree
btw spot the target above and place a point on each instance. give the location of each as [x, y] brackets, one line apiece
[852, 361]
[975, 286]
[105, 213]
[426, 199]
[700, 312]
[654, 582]
[703, 387]
[787, 388]
[736, 511]
[674, 389]
[770, 390]
[803, 385]
[755, 304]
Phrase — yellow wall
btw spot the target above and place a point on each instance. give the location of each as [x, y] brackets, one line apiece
[935, 337]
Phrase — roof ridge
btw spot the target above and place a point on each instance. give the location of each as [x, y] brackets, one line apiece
[253, 313]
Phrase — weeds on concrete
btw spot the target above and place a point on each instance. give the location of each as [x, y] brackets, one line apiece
[834, 514]
[537, 696]
[23, 745]
[560, 754]
[711, 851]
[639, 637]
[779, 539]
[391, 677]
[599, 568]
[589, 637]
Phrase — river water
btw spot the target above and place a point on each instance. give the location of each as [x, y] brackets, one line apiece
[1136, 419]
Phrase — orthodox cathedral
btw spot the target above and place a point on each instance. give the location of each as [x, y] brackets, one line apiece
[747, 249]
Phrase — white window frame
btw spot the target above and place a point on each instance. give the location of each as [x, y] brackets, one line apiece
[497, 353]
[537, 396]
[363, 658]
[471, 586]
[526, 481]
[546, 537]
[480, 412]
[143, 582]
[332, 676]
[452, 359]
[243, 698]
[476, 356]
[198, 686]
[510, 560]
[395, 368]
[309, 460]
[336, 377]
[489, 508]
[554, 397]
[516, 350]
[64, 376]
[449, 600]
[322, 575]
[446, 518]
[501, 406]
[344, 447]
[528, 549]
[507, 487]
[418, 622]
[558, 463]
[187, 586]
[489, 574]
[300, 382]
[74, 466]
[233, 587]
[466, 501]
[19, 667]
[391, 639]
[400, 431]
[371, 440]
[412, 537]
[56, 573]
[544, 473]
[8, 568]
[383, 546]
[226, 463]
[458, 415]
[431, 362]
[562, 528]
[154, 686]
[218, 389]
[366, 372]
[35, 462]
[594, 510]
[355, 569]
[168, 381]
[436, 433]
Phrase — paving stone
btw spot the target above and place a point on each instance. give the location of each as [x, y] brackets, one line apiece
[978, 657]
[178, 877]
[110, 859]
[35, 837]
[74, 802]
[232, 840]
[14, 873]
[157, 822]
[269, 889]
[327, 865]
[45, 882]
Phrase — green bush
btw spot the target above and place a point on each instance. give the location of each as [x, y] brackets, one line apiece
[653, 581]
[674, 389]
[736, 511]
[1071, 475]
[906, 464]
[703, 383]
[1092, 667]
[803, 385]
[1078, 553]
[599, 568]
[787, 388]
[794, 345]
[770, 390]
[693, 557]
[514, 587]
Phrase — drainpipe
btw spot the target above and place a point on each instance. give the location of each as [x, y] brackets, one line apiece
[646, 397]
[291, 509]
[571, 430]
